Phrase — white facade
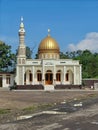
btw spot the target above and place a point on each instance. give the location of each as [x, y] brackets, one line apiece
[47, 70]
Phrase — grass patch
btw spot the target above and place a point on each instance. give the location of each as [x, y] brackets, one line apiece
[4, 111]
[37, 107]
[44, 106]
[31, 108]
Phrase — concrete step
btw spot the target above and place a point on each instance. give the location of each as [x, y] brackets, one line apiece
[48, 87]
[4, 88]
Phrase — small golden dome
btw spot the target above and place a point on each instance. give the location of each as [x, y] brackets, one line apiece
[48, 44]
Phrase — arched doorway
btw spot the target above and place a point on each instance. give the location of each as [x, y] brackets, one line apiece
[28, 77]
[39, 75]
[49, 77]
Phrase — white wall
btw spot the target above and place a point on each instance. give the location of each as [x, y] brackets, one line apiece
[4, 83]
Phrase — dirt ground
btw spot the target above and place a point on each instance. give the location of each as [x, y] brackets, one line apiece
[17, 101]
[22, 99]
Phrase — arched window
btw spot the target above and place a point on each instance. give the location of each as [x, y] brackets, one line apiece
[39, 75]
[8, 80]
[25, 78]
[30, 77]
[58, 75]
[19, 61]
[67, 76]
[23, 61]
[49, 71]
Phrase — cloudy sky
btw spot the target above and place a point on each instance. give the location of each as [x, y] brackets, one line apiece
[73, 23]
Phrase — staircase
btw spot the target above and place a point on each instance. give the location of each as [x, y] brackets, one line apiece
[48, 87]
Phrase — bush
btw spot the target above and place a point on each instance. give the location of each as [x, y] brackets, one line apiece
[12, 87]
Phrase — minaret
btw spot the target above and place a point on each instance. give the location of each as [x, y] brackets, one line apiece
[21, 58]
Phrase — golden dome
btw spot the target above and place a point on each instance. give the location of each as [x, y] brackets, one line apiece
[48, 48]
[48, 44]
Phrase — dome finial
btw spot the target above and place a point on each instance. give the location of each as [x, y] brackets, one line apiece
[48, 32]
[21, 24]
[21, 18]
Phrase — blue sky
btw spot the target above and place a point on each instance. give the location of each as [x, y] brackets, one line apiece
[73, 23]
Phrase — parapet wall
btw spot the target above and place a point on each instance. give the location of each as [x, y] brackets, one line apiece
[89, 82]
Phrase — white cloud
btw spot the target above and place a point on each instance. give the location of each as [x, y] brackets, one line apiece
[90, 42]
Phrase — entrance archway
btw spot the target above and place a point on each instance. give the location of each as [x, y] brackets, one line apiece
[49, 77]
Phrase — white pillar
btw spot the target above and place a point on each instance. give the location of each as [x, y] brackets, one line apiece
[43, 72]
[74, 75]
[64, 74]
[43, 75]
[23, 71]
[4, 80]
[33, 74]
[17, 75]
[12, 80]
[54, 75]
[27, 78]
[80, 75]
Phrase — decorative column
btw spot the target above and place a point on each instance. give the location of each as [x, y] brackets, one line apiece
[27, 78]
[74, 75]
[23, 70]
[3, 80]
[11, 80]
[80, 75]
[64, 74]
[33, 74]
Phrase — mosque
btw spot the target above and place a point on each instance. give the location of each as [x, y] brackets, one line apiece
[48, 71]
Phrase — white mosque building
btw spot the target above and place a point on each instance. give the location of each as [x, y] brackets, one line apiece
[48, 71]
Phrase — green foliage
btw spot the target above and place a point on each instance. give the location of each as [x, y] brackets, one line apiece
[7, 58]
[88, 60]
[63, 56]
[4, 111]
[36, 56]
[28, 53]
[38, 107]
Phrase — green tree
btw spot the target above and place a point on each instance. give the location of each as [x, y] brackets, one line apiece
[36, 56]
[7, 58]
[28, 52]
[64, 56]
[88, 60]
[89, 63]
